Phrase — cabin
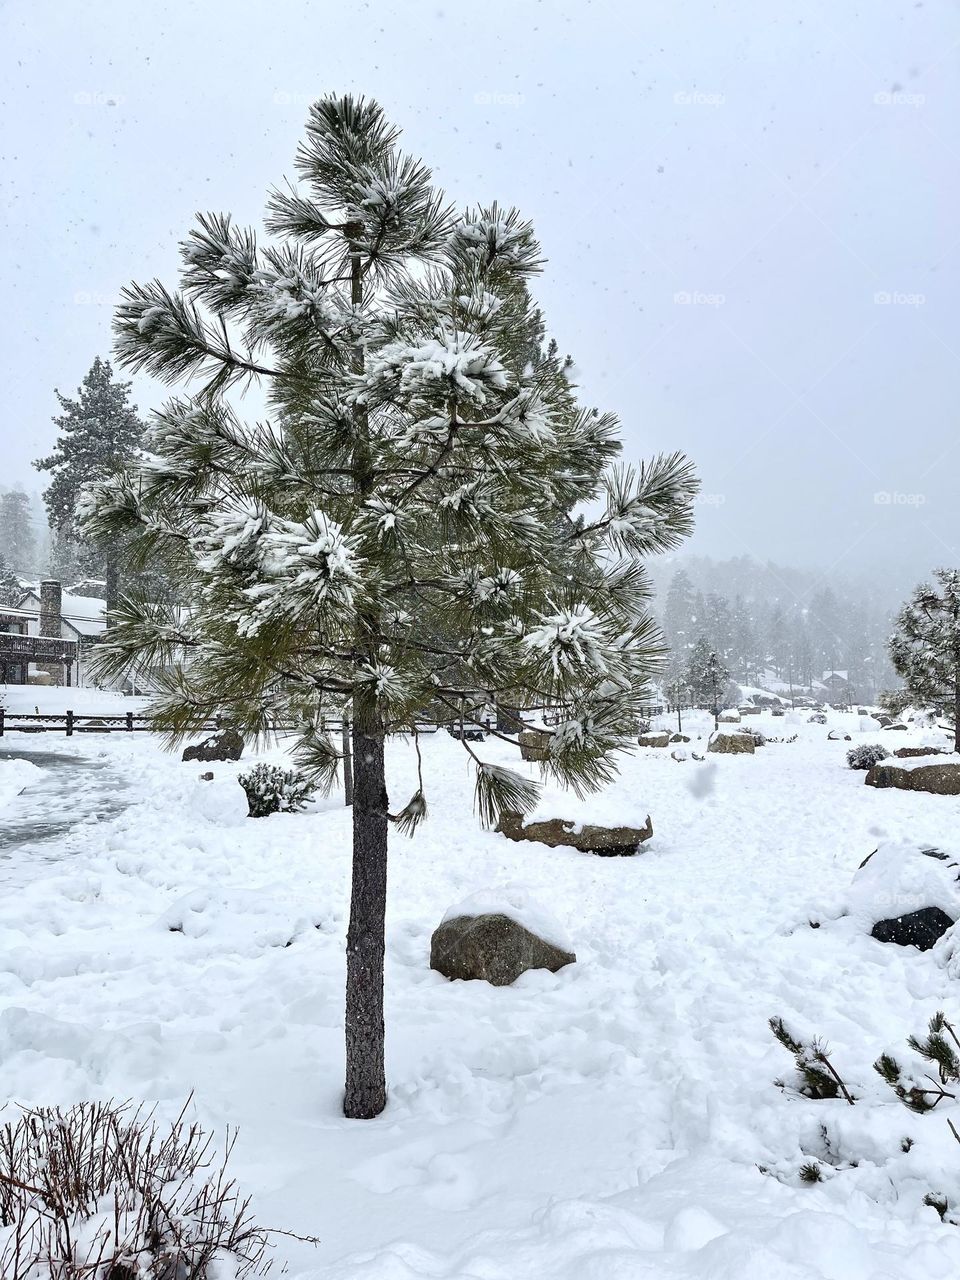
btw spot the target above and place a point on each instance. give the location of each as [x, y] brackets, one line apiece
[46, 637]
[839, 690]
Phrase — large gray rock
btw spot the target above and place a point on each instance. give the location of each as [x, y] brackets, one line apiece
[938, 779]
[732, 743]
[226, 744]
[494, 948]
[654, 739]
[907, 753]
[607, 842]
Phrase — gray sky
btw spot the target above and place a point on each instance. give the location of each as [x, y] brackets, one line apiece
[749, 211]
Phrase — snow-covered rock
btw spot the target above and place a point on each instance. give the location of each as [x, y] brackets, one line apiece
[15, 775]
[483, 938]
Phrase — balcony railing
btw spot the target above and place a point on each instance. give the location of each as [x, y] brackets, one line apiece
[36, 648]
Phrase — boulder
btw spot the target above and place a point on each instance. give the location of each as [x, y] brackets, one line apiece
[938, 779]
[731, 743]
[908, 753]
[680, 737]
[837, 735]
[884, 720]
[225, 744]
[750, 711]
[777, 711]
[894, 728]
[654, 739]
[729, 717]
[920, 929]
[679, 754]
[607, 842]
[492, 947]
[534, 745]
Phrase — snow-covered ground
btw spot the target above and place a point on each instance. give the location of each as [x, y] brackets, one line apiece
[605, 1122]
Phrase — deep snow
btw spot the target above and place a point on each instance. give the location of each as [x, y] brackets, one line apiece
[603, 1122]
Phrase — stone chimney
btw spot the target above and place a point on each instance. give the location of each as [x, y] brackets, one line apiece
[51, 602]
[51, 606]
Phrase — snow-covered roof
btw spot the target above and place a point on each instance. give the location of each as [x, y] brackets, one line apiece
[830, 675]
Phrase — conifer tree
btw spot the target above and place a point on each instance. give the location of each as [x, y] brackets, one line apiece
[404, 535]
[99, 431]
[925, 646]
[18, 541]
[707, 677]
[10, 589]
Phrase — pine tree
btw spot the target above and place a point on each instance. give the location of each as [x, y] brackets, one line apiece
[10, 589]
[400, 536]
[18, 542]
[99, 432]
[707, 677]
[925, 646]
[678, 614]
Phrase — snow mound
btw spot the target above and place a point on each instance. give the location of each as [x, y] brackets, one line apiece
[515, 902]
[900, 878]
[14, 776]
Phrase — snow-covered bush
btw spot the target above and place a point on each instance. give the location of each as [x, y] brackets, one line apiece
[99, 1193]
[866, 755]
[271, 789]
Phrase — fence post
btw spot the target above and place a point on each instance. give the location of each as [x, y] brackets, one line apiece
[1, 722]
[69, 724]
[130, 721]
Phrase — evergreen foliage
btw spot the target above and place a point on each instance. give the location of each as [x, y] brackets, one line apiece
[18, 542]
[925, 646]
[273, 789]
[404, 533]
[816, 1075]
[940, 1048]
[866, 755]
[98, 432]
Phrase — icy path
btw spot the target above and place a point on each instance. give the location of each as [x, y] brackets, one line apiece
[603, 1123]
[68, 787]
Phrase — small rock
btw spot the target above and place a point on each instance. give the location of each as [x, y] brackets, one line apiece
[907, 753]
[680, 737]
[920, 929]
[494, 948]
[607, 842]
[226, 744]
[731, 743]
[534, 745]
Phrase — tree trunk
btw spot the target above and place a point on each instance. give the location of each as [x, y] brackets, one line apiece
[365, 1095]
[112, 590]
[956, 711]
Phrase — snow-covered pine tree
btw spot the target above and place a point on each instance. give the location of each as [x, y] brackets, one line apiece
[99, 431]
[18, 541]
[401, 535]
[10, 589]
[706, 677]
[925, 646]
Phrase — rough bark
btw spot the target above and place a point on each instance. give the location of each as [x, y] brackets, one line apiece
[365, 1095]
[365, 1091]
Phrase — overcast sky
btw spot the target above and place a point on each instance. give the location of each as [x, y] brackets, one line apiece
[749, 210]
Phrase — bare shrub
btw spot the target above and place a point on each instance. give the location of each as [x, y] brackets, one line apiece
[100, 1192]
